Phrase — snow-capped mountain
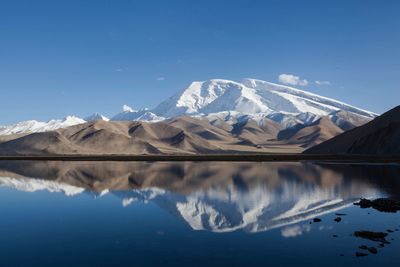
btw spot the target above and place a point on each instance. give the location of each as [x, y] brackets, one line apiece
[96, 117]
[33, 126]
[256, 98]
[228, 101]
[129, 114]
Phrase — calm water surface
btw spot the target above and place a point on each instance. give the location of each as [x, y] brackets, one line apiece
[198, 214]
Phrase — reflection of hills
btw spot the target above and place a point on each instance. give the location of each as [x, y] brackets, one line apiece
[219, 197]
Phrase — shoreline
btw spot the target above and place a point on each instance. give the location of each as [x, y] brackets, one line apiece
[211, 157]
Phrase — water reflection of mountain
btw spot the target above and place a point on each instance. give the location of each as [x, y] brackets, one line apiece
[218, 197]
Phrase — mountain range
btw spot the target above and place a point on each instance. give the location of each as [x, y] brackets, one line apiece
[223, 99]
[214, 116]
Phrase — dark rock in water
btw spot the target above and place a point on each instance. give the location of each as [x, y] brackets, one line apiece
[382, 245]
[380, 204]
[340, 214]
[361, 254]
[373, 236]
[372, 250]
[363, 247]
[337, 219]
[317, 220]
[389, 231]
[335, 235]
[341, 255]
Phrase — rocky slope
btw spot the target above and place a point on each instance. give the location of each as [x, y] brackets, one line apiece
[379, 136]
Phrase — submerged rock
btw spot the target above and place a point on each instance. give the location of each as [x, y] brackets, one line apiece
[361, 254]
[337, 219]
[373, 236]
[372, 250]
[380, 204]
[317, 220]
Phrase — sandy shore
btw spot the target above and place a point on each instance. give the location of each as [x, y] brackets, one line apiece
[214, 157]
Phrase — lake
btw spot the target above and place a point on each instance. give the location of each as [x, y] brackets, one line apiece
[195, 214]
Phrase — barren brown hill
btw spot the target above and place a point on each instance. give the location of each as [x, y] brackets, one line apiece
[182, 135]
[379, 136]
[346, 120]
[310, 135]
[253, 133]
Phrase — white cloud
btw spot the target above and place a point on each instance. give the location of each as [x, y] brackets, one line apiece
[119, 70]
[323, 82]
[291, 79]
[160, 78]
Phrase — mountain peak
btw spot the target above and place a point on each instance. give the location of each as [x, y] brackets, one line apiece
[129, 114]
[211, 96]
[250, 97]
[126, 108]
[96, 117]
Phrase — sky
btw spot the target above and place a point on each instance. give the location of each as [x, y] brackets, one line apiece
[59, 58]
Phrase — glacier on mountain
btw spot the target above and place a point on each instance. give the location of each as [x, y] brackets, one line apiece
[252, 97]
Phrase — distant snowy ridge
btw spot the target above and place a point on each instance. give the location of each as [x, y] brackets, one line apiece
[34, 126]
[96, 117]
[129, 114]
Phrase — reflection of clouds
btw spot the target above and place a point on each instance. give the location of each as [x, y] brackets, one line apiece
[296, 230]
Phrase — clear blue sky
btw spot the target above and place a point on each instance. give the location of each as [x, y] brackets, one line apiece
[78, 57]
